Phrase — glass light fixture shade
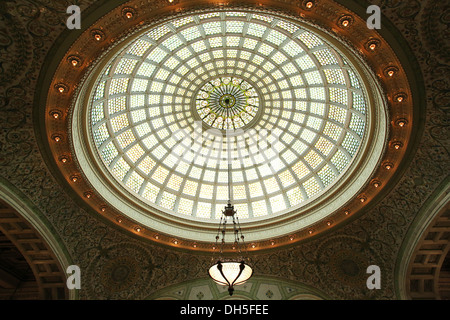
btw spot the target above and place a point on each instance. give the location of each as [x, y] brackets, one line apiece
[230, 273]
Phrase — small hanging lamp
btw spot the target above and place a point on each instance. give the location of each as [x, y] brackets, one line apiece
[230, 271]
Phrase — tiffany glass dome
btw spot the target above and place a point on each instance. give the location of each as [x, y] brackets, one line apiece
[282, 97]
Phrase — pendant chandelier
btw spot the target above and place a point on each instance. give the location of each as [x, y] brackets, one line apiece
[230, 271]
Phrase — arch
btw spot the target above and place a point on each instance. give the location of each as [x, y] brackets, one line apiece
[257, 288]
[24, 227]
[425, 249]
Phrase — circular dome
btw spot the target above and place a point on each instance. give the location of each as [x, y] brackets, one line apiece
[283, 100]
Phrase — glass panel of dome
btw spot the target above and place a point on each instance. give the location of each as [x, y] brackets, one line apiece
[208, 15]
[271, 185]
[117, 104]
[338, 95]
[317, 93]
[146, 165]
[350, 143]
[313, 159]
[189, 34]
[255, 30]
[139, 47]
[339, 160]
[212, 28]
[118, 85]
[299, 147]
[182, 167]
[138, 116]
[160, 174]
[109, 152]
[239, 192]
[311, 187]
[146, 69]
[337, 113]
[150, 192]
[206, 191]
[97, 113]
[182, 21]
[259, 208]
[359, 102]
[313, 77]
[185, 206]
[157, 33]
[125, 66]
[353, 79]
[255, 189]
[308, 135]
[150, 142]
[332, 130]
[334, 76]
[276, 37]
[286, 178]
[299, 117]
[305, 62]
[327, 175]
[139, 85]
[134, 182]
[167, 200]
[300, 94]
[324, 146]
[222, 193]
[295, 196]
[279, 58]
[267, 19]
[203, 210]
[300, 169]
[135, 153]
[317, 108]
[241, 210]
[100, 91]
[325, 57]
[125, 139]
[120, 169]
[309, 39]
[357, 125]
[314, 123]
[278, 204]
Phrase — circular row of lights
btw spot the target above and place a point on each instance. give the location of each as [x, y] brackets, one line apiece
[344, 22]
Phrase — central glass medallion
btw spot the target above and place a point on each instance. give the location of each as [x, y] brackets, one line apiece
[227, 103]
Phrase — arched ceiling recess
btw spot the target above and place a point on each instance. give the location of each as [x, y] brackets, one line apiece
[346, 61]
[42, 260]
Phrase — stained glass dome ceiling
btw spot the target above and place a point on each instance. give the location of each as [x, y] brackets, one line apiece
[166, 109]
